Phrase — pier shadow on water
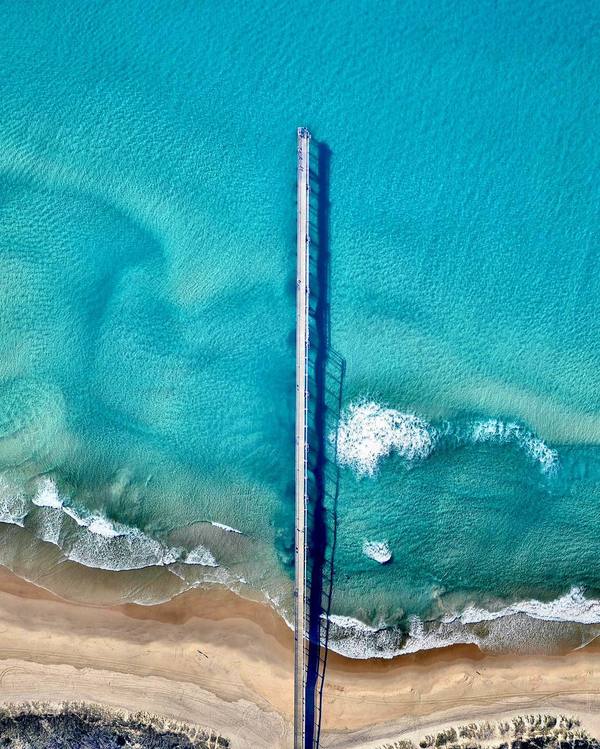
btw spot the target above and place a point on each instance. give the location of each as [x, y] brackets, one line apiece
[326, 376]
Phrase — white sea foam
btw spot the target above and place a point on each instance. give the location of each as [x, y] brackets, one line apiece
[420, 638]
[275, 602]
[13, 505]
[74, 515]
[200, 555]
[49, 527]
[494, 430]
[114, 546]
[96, 524]
[571, 607]
[350, 622]
[47, 494]
[379, 551]
[96, 541]
[226, 528]
[130, 551]
[103, 527]
[355, 639]
[368, 432]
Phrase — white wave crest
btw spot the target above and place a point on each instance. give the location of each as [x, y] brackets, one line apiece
[226, 528]
[49, 527]
[368, 432]
[13, 505]
[200, 555]
[47, 494]
[130, 551]
[419, 638]
[355, 639]
[96, 524]
[95, 540]
[102, 527]
[494, 430]
[379, 551]
[571, 607]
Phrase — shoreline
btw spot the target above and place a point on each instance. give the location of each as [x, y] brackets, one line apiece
[184, 559]
[225, 663]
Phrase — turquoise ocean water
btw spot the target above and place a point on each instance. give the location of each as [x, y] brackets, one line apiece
[147, 249]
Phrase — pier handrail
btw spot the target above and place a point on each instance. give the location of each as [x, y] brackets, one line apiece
[301, 454]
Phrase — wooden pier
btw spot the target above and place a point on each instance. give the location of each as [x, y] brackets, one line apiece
[301, 502]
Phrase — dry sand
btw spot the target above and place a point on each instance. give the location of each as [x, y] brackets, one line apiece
[212, 658]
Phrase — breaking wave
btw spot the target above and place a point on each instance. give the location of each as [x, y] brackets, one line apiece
[369, 432]
[499, 432]
[571, 607]
[379, 551]
[13, 506]
[91, 539]
[509, 627]
[226, 528]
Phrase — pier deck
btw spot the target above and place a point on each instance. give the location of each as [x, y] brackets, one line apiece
[301, 501]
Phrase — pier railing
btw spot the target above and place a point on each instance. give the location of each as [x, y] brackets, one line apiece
[301, 448]
[319, 382]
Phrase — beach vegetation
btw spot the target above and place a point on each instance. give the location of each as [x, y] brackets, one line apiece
[38, 726]
[534, 731]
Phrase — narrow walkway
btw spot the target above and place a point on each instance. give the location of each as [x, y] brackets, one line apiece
[302, 300]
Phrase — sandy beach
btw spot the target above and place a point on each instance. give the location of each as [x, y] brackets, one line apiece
[225, 663]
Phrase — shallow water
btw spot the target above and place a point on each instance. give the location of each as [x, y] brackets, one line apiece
[147, 223]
